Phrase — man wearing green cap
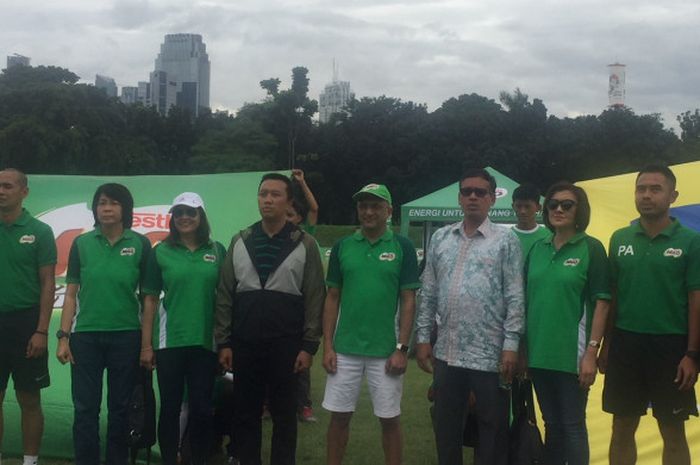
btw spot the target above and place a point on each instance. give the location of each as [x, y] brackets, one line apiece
[370, 274]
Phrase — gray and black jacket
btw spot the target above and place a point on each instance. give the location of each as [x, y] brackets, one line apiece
[288, 304]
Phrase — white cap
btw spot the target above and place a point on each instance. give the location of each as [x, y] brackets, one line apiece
[189, 199]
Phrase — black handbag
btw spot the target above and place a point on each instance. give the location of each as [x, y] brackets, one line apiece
[525, 447]
[142, 416]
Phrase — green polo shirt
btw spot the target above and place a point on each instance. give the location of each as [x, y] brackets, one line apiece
[653, 277]
[109, 277]
[370, 277]
[188, 279]
[25, 246]
[528, 238]
[562, 289]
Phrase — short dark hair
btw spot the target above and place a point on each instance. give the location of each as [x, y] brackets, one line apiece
[278, 177]
[119, 193]
[583, 208]
[203, 232]
[21, 177]
[661, 169]
[526, 192]
[479, 173]
[300, 208]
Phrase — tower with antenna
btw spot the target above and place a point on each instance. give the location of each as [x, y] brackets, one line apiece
[335, 96]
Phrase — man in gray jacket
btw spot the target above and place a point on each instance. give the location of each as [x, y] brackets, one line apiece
[268, 321]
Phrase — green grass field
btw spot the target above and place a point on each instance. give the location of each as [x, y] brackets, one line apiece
[365, 440]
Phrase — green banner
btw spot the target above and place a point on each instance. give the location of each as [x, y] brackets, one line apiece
[64, 203]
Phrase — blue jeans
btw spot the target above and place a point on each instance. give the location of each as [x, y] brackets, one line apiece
[118, 352]
[563, 405]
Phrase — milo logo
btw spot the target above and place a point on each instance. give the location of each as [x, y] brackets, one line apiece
[572, 261]
[675, 253]
[209, 258]
[387, 257]
[127, 251]
[27, 239]
[501, 192]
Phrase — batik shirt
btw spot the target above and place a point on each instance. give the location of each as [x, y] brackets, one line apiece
[473, 291]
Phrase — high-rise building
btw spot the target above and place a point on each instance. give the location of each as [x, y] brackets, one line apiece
[107, 84]
[144, 93]
[17, 60]
[334, 97]
[130, 95]
[181, 75]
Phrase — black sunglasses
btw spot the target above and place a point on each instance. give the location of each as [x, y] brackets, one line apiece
[185, 211]
[565, 205]
[478, 191]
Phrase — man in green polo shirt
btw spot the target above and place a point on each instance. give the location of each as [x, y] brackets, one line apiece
[651, 355]
[370, 274]
[28, 259]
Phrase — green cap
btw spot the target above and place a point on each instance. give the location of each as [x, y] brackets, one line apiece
[377, 190]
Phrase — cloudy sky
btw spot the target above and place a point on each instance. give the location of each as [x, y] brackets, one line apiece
[425, 51]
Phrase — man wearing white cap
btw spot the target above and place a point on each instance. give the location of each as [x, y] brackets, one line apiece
[370, 274]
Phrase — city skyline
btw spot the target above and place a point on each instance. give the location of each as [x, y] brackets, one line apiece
[415, 50]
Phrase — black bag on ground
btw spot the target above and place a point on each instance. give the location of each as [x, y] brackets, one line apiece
[142, 416]
[526, 447]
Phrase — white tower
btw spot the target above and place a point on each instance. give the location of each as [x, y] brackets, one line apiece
[616, 85]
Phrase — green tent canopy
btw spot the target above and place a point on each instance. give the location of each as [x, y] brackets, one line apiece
[442, 206]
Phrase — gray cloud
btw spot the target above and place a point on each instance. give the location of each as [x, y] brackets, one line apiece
[425, 51]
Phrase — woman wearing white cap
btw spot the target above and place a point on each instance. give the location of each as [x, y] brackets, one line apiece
[185, 267]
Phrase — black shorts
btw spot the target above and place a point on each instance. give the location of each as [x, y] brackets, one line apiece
[28, 374]
[641, 370]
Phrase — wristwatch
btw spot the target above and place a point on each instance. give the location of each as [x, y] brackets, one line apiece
[60, 334]
[402, 347]
[693, 355]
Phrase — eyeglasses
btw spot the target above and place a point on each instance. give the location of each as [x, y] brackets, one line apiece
[478, 191]
[185, 211]
[565, 205]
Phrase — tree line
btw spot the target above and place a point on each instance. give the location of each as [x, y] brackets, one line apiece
[51, 124]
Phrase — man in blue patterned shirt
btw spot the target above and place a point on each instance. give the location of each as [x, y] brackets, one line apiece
[473, 293]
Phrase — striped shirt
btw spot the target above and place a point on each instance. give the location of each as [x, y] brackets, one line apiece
[267, 249]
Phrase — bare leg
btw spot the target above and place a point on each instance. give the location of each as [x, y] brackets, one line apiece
[675, 443]
[32, 420]
[623, 448]
[391, 440]
[337, 437]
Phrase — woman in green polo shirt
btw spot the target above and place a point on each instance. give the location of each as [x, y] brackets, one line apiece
[568, 296]
[100, 326]
[185, 267]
